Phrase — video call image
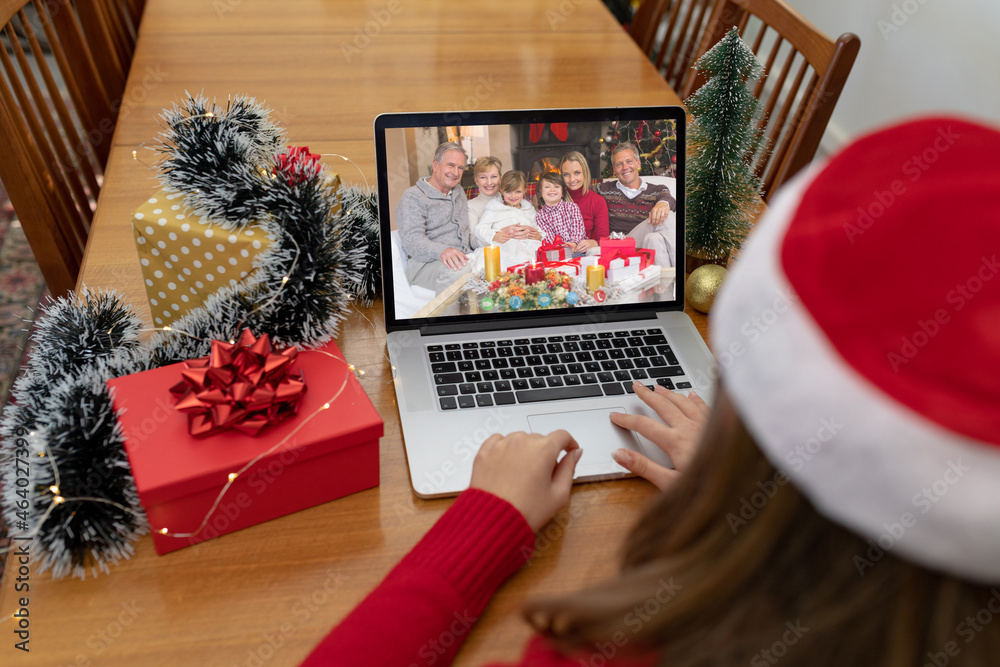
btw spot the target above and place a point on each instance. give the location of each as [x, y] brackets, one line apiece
[489, 219]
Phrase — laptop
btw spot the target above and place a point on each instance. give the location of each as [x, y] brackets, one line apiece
[477, 359]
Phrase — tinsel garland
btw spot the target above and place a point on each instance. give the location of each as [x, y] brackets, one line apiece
[81, 505]
[219, 157]
[360, 213]
[60, 434]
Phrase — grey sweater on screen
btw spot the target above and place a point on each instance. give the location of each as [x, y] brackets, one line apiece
[430, 221]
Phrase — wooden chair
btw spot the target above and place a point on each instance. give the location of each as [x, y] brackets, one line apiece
[670, 32]
[804, 74]
[62, 74]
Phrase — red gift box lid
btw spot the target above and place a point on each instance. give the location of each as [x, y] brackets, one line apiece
[168, 463]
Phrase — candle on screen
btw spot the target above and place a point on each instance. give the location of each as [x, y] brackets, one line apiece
[595, 277]
[492, 256]
[534, 273]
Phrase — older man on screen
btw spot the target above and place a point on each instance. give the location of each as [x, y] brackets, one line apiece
[637, 208]
[433, 220]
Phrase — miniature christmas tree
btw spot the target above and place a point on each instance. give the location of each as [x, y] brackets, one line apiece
[722, 189]
[656, 141]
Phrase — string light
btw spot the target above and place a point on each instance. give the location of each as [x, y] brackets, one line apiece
[344, 157]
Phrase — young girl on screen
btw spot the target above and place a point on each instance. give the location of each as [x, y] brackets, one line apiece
[557, 214]
[509, 222]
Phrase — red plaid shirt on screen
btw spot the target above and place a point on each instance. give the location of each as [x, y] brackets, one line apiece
[563, 219]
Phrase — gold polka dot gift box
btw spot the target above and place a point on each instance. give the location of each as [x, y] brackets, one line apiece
[183, 260]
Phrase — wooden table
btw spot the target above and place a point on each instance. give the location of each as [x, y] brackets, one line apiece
[267, 594]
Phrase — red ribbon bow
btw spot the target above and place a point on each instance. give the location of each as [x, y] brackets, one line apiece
[555, 244]
[245, 385]
[297, 164]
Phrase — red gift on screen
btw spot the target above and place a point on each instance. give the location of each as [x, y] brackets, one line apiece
[611, 247]
[647, 256]
[324, 453]
[554, 251]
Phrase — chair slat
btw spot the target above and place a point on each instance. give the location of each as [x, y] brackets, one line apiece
[35, 112]
[70, 162]
[796, 123]
[80, 74]
[24, 163]
[56, 121]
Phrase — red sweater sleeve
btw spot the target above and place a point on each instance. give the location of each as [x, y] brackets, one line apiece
[423, 610]
[601, 225]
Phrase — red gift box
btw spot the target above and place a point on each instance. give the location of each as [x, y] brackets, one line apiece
[569, 267]
[327, 453]
[647, 256]
[612, 247]
[554, 250]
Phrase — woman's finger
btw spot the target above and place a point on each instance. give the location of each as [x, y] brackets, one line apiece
[667, 409]
[657, 432]
[640, 465]
[685, 405]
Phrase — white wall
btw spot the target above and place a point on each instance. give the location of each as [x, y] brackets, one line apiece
[917, 56]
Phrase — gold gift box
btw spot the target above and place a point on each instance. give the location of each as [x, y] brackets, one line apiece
[184, 261]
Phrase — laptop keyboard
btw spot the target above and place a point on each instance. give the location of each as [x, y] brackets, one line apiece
[508, 371]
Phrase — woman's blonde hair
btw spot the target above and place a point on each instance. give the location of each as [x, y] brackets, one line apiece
[577, 156]
[734, 566]
[485, 164]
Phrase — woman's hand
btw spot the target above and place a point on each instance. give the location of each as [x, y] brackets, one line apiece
[585, 245]
[521, 468]
[679, 433]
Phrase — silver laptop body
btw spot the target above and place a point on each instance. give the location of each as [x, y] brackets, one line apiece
[441, 438]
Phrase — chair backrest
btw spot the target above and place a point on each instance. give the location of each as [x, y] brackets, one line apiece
[670, 32]
[804, 74]
[62, 75]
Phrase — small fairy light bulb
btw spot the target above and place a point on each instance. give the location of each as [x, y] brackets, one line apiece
[326, 406]
[58, 500]
[135, 154]
[232, 476]
[209, 114]
[167, 329]
[54, 489]
[361, 372]
[284, 279]
[163, 531]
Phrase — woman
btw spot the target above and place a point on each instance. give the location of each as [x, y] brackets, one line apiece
[593, 207]
[486, 172]
[842, 506]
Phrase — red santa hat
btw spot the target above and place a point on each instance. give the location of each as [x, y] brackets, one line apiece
[863, 324]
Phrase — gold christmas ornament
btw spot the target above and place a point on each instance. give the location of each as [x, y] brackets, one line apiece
[702, 286]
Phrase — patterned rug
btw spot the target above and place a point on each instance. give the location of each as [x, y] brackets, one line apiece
[22, 288]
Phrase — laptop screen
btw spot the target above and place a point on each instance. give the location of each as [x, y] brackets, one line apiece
[523, 217]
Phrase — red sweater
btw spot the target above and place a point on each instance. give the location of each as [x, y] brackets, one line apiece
[594, 209]
[424, 609]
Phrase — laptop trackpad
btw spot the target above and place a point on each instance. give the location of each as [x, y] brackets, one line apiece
[595, 433]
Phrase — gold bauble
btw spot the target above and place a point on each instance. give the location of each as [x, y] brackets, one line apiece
[702, 286]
